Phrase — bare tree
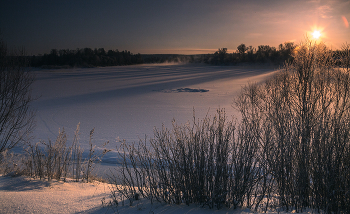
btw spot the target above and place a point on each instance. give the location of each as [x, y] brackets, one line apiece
[345, 57]
[16, 117]
[302, 118]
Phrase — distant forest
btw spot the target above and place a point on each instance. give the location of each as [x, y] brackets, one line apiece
[264, 54]
[88, 57]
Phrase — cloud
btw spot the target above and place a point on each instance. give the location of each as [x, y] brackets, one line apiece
[325, 11]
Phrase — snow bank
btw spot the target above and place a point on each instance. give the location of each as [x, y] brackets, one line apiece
[24, 195]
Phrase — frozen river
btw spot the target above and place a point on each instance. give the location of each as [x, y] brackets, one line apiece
[127, 102]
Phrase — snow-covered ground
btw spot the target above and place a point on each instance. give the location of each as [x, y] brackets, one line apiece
[24, 195]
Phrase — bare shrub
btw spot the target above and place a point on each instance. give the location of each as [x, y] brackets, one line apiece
[94, 157]
[11, 163]
[77, 155]
[344, 57]
[55, 160]
[305, 133]
[203, 163]
[49, 160]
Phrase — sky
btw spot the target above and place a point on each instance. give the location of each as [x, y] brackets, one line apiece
[173, 27]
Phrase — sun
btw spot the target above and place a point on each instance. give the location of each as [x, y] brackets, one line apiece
[316, 34]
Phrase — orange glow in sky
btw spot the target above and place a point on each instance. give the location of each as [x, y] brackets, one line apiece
[181, 27]
[346, 23]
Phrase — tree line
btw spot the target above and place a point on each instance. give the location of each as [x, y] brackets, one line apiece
[88, 57]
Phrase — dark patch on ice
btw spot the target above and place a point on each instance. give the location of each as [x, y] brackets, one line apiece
[183, 90]
[191, 90]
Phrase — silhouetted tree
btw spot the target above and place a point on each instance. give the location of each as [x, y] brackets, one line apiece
[241, 51]
[286, 51]
[220, 56]
[250, 53]
[265, 52]
[16, 118]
